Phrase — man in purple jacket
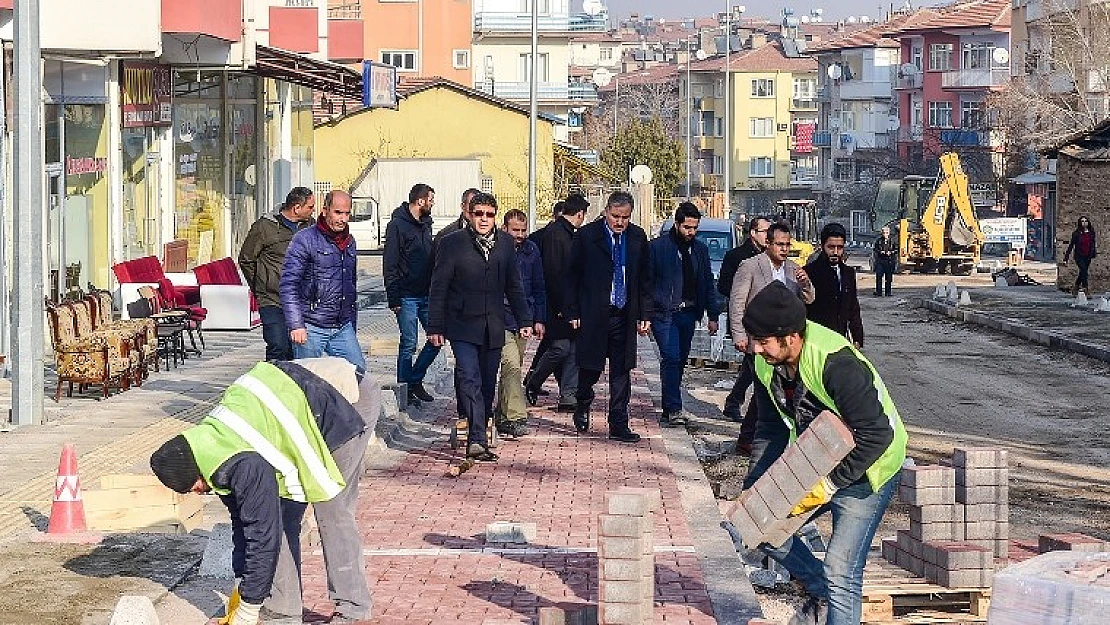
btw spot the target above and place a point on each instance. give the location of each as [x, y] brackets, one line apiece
[317, 289]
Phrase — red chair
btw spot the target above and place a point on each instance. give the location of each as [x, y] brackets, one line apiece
[226, 296]
[147, 271]
[170, 299]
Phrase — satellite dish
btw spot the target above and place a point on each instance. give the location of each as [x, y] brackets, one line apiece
[893, 123]
[835, 72]
[641, 174]
[909, 69]
[865, 19]
[602, 77]
[852, 19]
[818, 11]
[805, 19]
[593, 7]
[700, 55]
[741, 9]
[1000, 56]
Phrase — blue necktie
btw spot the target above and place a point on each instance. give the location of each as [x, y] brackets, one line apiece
[620, 296]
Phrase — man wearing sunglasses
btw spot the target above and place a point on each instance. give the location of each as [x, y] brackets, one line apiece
[475, 273]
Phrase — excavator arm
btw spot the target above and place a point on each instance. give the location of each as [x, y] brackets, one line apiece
[950, 195]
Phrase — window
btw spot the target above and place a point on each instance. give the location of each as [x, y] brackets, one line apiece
[718, 127]
[543, 7]
[847, 120]
[940, 114]
[842, 170]
[973, 114]
[976, 55]
[940, 56]
[761, 167]
[718, 89]
[403, 60]
[526, 67]
[606, 54]
[763, 88]
[762, 127]
[460, 59]
[487, 184]
[805, 88]
[718, 164]
[915, 56]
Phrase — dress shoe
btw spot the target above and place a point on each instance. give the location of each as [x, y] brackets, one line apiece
[418, 391]
[474, 451]
[665, 420]
[581, 419]
[512, 429]
[679, 419]
[531, 394]
[543, 393]
[566, 408]
[626, 436]
[743, 449]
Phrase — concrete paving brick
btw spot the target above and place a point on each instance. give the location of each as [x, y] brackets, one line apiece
[801, 467]
[928, 476]
[962, 578]
[982, 477]
[936, 531]
[945, 513]
[620, 548]
[980, 457]
[927, 496]
[890, 550]
[1070, 542]
[958, 555]
[986, 512]
[747, 527]
[783, 529]
[134, 610]
[909, 544]
[791, 488]
[833, 433]
[623, 526]
[216, 561]
[1001, 548]
[627, 504]
[981, 530]
[620, 570]
[773, 496]
[511, 532]
[820, 457]
[983, 494]
[622, 614]
[760, 512]
[620, 591]
[653, 496]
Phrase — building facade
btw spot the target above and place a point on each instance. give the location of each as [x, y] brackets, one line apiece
[422, 39]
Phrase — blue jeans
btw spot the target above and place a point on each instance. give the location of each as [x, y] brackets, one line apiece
[340, 342]
[476, 374]
[276, 335]
[673, 334]
[857, 511]
[413, 310]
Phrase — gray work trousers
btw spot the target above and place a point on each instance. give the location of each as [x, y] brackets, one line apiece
[339, 537]
[558, 357]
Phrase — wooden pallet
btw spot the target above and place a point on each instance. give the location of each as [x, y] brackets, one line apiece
[887, 588]
[705, 363]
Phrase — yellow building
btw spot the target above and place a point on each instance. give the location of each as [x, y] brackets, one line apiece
[773, 102]
[440, 119]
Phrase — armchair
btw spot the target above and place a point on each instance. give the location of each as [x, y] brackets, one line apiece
[226, 297]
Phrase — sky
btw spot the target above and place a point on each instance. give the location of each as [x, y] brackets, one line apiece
[834, 9]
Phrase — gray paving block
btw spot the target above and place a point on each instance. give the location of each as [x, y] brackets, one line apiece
[928, 476]
[927, 496]
[216, 561]
[936, 531]
[511, 532]
[983, 494]
[944, 513]
[982, 477]
[980, 457]
[134, 610]
[986, 512]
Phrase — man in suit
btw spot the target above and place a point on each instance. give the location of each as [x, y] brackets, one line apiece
[475, 274]
[837, 305]
[610, 278]
[754, 274]
[753, 245]
[554, 241]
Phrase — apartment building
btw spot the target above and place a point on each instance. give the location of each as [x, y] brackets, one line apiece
[422, 38]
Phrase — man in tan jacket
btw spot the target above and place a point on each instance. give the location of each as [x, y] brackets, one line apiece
[752, 275]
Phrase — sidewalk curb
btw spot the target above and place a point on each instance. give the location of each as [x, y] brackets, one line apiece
[730, 591]
[1022, 331]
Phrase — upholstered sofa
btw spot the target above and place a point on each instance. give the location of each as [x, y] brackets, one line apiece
[225, 295]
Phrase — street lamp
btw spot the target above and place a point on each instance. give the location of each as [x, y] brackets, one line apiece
[700, 54]
[728, 135]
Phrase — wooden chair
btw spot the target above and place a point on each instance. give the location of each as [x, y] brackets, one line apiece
[143, 331]
[102, 358]
[175, 256]
[170, 327]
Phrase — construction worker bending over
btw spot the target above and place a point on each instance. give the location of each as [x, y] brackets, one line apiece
[803, 369]
[284, 435]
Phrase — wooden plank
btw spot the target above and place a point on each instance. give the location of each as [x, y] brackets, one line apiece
[980, 603]
[877, 608]
[125, 519]
[189, 504]
[134, 496]
[128, 480]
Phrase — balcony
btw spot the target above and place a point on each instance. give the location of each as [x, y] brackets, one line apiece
[860, 90]
[975, 78]
[802, 104]
[582, 91]
[519, 91]
[910, 81]
[965, 138]
[911, 134]
[518, 23]
[218, 19]
[804, 178]
[822, 139]
[823, 94]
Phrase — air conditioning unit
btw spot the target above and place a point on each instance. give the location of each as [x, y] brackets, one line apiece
[784, 127]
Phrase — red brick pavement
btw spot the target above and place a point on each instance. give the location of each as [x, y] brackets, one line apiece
[552, 478]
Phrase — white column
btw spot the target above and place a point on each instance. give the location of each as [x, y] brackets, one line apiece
[116, 224]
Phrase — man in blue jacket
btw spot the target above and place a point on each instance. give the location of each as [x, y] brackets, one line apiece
[512, 411]
[684, 293]
[317, 287]
[407, 264]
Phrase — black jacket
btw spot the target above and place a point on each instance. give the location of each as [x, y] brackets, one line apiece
[408, 256]
[851, 384]
[254, 503]
[666, 276]
[836, 306]
[262, 255]
[555, 241]
[591, 282]
[731, 262]
[886, 250]
[468, 293]
[454, 226]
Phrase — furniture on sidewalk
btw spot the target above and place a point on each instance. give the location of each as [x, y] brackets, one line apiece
[170, 327]
[224, 294]
[132, 274]
[144, 331]
[175, 256]
[87, 356]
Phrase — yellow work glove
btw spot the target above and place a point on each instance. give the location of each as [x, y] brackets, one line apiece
[820, 495]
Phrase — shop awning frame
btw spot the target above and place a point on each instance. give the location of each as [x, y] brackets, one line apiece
[296, 68]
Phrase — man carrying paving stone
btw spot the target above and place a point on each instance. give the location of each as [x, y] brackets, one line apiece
[804, 369]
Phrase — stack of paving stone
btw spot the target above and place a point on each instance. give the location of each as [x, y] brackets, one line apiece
[762, 513]
[626, 557]
[959, 519]
[1058, 588]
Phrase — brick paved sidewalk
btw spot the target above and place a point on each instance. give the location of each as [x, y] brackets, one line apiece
[423, 532]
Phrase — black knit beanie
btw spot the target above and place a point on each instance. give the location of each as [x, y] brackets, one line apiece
[175, 465]
[774, 311]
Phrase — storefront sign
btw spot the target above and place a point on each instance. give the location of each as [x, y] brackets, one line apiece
[1012, 230]
[87, 165]
[147, 95]
[379, 85]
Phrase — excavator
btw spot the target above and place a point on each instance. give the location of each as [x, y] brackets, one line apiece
[933, 220]
[802, 217]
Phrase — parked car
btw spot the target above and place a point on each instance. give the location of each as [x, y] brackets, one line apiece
[719, 235]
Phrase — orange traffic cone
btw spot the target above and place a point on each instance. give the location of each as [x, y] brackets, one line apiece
[67, 514]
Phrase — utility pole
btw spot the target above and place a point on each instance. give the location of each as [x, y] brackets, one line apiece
[533, 113]
[27, 313]
[689, 114]
[728, 135]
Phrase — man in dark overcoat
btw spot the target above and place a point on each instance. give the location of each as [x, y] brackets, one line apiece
[611, 281]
